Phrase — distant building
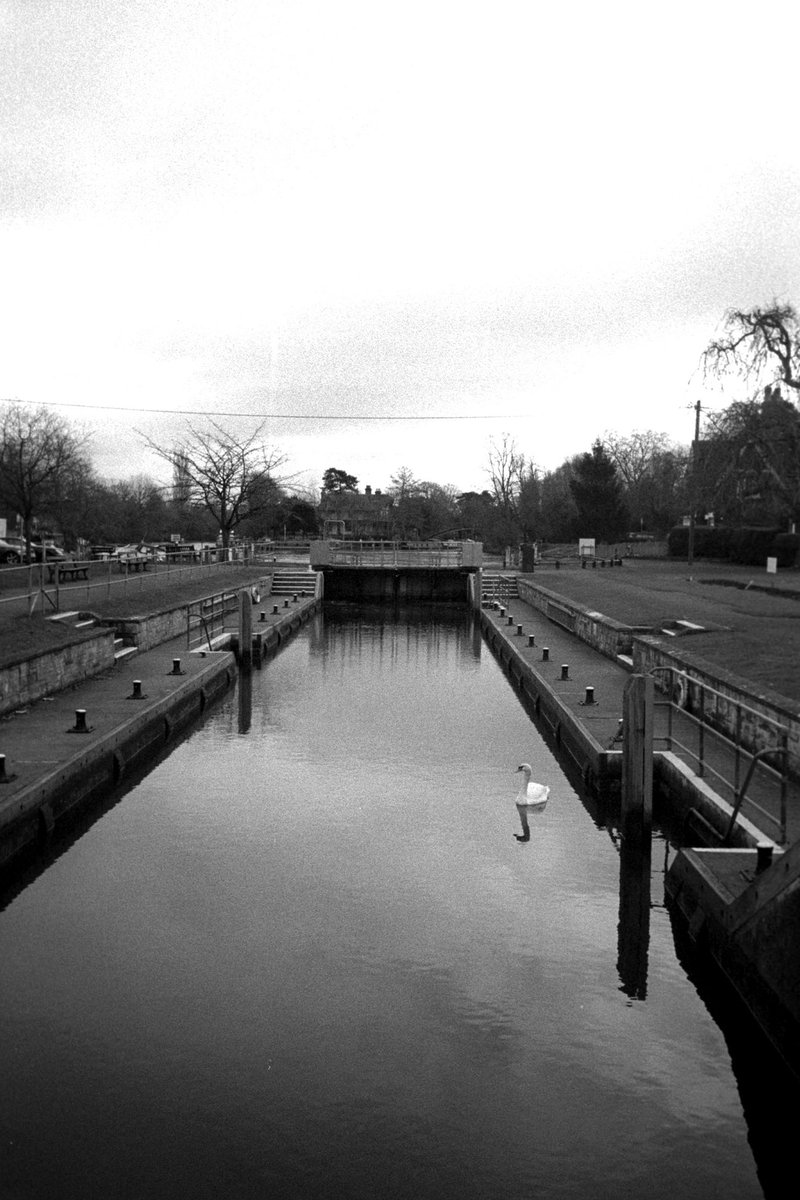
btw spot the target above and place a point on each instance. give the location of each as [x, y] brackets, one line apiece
[363, 515]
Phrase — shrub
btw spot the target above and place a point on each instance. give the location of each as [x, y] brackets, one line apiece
[785, 548]
[710, 541]
[752, 545]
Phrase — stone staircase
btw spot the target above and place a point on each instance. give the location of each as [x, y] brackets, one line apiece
[294, 581]
[498, 585]
[84, 621]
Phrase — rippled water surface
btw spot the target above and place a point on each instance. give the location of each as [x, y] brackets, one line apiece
[306, 957]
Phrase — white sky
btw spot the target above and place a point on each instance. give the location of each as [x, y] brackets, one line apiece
[533, 214]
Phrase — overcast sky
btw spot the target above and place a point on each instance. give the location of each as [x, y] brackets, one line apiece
[523, 218]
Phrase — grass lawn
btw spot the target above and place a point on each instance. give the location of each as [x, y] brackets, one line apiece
[22, 636]
[751, 632]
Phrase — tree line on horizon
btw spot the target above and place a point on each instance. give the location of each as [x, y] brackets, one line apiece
[743, 468]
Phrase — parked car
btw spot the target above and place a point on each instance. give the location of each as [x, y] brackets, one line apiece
[48, 551]
[176, 552]
[10, 552]
[17, 551]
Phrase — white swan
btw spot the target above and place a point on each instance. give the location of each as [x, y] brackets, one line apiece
[531, 796]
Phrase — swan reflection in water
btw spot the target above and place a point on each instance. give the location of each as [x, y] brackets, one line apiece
[531, 798]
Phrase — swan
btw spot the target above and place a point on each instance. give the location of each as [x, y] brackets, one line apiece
[531, 796]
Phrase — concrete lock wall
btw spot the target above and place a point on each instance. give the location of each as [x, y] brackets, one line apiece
[32, 678]
[602, 633]
[155, 628]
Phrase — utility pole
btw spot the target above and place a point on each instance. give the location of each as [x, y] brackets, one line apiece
[693, 483]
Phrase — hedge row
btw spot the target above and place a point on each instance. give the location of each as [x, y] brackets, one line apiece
[748, 545]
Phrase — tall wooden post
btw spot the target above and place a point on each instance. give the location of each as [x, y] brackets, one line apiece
[637, 756]
[245, 628]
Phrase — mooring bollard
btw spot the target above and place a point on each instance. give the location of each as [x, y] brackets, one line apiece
[502, 611]
[176, 667]
[274, 610]
[294, 598]
[80, 720]
[510, 620]
[564, 671]
[519, 631]
[763, 856]
[3, 778]
[531, 639]
[137, 689]
[589, 696]
[545, 653]
[262, 616]
[286, 604]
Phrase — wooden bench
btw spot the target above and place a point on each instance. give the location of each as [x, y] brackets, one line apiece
[134, 564]
[69, 570]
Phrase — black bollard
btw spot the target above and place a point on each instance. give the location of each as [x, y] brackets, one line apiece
[531, 639]
[545, 653]
[564, 671]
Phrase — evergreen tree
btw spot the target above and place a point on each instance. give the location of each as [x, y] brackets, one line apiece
[597, 490]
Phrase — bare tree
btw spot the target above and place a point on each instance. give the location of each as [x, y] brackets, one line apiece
[224, 474]
[751, 460]
[505, 469]
[757, 343]
[42, 462]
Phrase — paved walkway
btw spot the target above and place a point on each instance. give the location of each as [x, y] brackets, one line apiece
[40, 738]
[589, 669]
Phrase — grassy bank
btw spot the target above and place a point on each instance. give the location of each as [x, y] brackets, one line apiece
[23, 636]
[750, 627]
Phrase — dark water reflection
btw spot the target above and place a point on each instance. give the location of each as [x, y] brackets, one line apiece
[307, 957]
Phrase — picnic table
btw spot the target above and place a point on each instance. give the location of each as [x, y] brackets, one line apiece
[67, 570]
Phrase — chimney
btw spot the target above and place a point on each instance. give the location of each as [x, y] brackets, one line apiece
[367, 490]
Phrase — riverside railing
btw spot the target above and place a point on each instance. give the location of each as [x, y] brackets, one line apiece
[50, 586]
[205, 619]
[395, 554]
[760, 777]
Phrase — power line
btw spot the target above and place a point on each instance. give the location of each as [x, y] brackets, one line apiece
[200, 412]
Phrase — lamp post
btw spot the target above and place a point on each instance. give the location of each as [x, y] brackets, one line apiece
[693, 483]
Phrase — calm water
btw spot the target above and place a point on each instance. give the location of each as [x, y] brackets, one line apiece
[306, 957]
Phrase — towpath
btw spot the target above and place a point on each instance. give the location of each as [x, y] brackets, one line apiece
[587, 668]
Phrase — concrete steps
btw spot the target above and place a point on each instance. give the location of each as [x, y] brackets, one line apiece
[499, 585]
[294, 581]
[121, 651]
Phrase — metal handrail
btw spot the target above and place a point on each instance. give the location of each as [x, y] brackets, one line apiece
[758, 757]
[755, 758]
[217, 604]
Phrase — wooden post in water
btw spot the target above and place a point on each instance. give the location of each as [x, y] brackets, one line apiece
[245, 628]
[637, 756]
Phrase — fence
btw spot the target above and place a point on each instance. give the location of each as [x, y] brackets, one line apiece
[744, 777]
[46, 586]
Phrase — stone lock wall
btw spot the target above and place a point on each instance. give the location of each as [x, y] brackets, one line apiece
[30, 679]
